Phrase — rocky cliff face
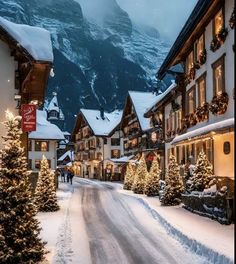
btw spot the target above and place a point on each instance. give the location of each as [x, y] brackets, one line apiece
[97, 59]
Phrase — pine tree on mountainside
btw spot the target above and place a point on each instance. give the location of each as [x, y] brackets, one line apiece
[174, 184]
[202, 174]
[19, 228]
[140, 175]
[152, 179]
[129, 177]
[45, 192]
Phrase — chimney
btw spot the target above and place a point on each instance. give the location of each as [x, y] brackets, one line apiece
[102, 113]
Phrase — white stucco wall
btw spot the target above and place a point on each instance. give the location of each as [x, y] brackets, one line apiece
[226, 49]
[50, 155]
[7, 85]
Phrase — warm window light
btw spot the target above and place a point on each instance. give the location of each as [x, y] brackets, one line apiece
[35, 102]
[17, 97]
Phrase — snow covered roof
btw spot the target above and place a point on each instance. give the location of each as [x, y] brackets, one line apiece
[53, 105]
[44, 129]
[162, 95]
[204, 130]
[66, 133]
[102, 127]
[123, 159]
[142, 102]
[67, 154]
[36, 41]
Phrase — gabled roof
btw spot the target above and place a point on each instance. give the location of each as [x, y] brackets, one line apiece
[69, 154]
[53, 105]
[162, 96]
[195, 17]
[36, 41]
[142, 101]
[99, 126]
[45, 129]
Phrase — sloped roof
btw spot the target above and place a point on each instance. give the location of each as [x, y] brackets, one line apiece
[36, 41]
[102, 127]
[67, 154]
[53, 105]
[45, 129]
[162, 95]
[142, 101]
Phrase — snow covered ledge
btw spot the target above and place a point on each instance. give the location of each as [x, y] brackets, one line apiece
[204, 130]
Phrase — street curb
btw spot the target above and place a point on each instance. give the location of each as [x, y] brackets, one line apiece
[192, 244]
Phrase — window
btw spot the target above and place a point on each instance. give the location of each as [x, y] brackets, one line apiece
[199, 48]
[191, 100]
[53, 113]
[29, 145]
[179, 119]
[201, 82]
[115, 153]
[29, 164]
[218, 22]
[219, 76]
[115, 141]
[37, 164]
[189, 62]
[173, 121]
[42, 146]
[105, 141]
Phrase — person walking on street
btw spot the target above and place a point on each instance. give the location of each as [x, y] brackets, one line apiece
[63, 175]
[71, 175]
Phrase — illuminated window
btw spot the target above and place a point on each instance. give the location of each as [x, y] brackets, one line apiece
[173, 121]
[191, 100]
[199, 48]
[179, 118]
[42, 146]
[154, 136]
[115, 153]
[218, 76]
[37, 164]
[218, 22]
[201, 90]
[189, 62]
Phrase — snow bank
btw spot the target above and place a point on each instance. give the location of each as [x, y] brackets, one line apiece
[35, 40]
[201, 235]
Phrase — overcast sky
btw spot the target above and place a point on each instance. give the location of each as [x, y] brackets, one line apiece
[168, 16]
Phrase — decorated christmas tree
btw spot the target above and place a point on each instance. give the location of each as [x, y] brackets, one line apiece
[19, 229]
[174, 184]
[45, 193]
[140, 175]
[202, 174]
[152, 179]
[129, 177]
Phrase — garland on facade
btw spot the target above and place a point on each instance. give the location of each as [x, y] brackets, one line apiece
[219, 39]
[232, 20]
[219, 104]
[191, 75]
[189, 121]
[202, 112]
[202, 57]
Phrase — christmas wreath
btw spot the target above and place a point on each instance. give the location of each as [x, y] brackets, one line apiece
[219, 39]
[232, 20]
[219, 104]
[202, 112]
[192, 119]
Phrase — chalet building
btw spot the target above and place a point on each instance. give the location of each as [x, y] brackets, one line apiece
[139, 132]
[43, 141]
[166, 120]
[25, 62]
[205, 49]
[97, 139]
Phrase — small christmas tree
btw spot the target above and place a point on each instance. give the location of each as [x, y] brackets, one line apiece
[202, 174]
[152, 179]
[174, 184]
[129, 177]
[140, 175]
[45, 193]
[19, 229]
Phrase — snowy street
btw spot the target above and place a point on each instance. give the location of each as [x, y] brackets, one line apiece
[97, 224]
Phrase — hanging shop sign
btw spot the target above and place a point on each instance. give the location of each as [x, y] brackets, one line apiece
[28, 112]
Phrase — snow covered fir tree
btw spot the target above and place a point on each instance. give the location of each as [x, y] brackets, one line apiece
[129, 177]
[152, 179]
[140, 175]
[45, 193]
[19, 229]
[174, 184]
[202, 174]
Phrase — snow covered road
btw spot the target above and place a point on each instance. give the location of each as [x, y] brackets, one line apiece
[99, 225]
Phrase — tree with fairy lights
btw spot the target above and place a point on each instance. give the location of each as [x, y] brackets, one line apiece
[140, 175]
[45, 193]
[174, 184]
[129, 177]
[19, 229]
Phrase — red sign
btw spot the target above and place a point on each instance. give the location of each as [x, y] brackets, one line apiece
[28, 112]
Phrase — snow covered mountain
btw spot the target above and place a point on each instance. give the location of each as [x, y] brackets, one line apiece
[97, 58]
